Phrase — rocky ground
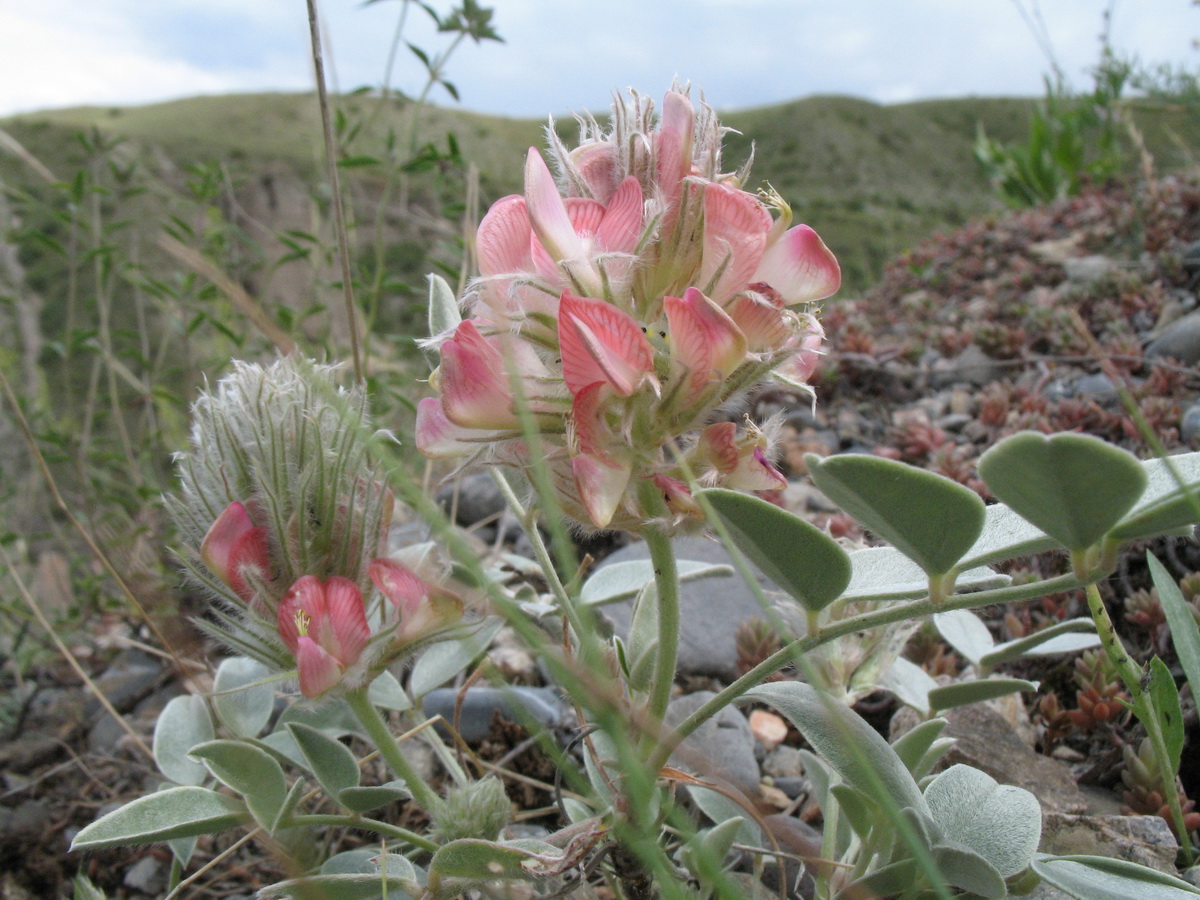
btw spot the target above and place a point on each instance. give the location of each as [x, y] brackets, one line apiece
[1039, 319]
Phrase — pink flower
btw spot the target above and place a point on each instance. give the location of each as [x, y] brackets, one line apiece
[236, 551]
[422, 609]
[628, 300]
[324, 625]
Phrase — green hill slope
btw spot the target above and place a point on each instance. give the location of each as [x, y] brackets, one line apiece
[872, 179]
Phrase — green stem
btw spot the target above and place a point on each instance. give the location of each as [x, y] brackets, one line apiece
[666, 583]
[384, 828]
[863, 622]
[381, 736]
[1143, 709]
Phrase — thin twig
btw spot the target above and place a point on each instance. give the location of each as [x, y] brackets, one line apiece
[68, 655]
[99, 554]
[335, 186]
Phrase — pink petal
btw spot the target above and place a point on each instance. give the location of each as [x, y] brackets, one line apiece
[761, 321]
[718, 446]
[305, 598]
[474, 381]
[674, 145]
[316, 668]
[622, 224]
[601, 486]
[599, 342]
[585, 215]
[596, 164]
[801, 366]
[587, 414]
[399, 584]
[800, 267]
[736, 225]
[703, 339]
[439, 438]
[502, 241]
[251, 553]
[347, 620]
[547, 212]
[678, 496]
[216, 549]
[755, 472]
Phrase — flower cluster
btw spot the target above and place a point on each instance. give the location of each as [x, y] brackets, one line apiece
[618, 307]
[289, 520]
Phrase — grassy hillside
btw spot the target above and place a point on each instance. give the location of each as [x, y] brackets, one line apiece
[872, 179]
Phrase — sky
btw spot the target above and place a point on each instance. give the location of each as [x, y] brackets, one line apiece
[570, 55]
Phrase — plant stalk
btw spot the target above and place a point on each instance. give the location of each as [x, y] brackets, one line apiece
[1143, 709]
[666, 583]
[381, 736]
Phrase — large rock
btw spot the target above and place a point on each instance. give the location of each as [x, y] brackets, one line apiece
[1180, 341]
[722, 748]
[989, 743]
[1145, 840]
[710, 609]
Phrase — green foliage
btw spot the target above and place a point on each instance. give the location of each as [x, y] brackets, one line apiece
[1072, 140]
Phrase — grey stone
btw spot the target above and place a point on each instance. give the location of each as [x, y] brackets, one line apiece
[107, 734]
[1192, 876]
[132, 675]
[722, 748]
[1145, 840]
[710, 609]
[1191, 257]
[1180, 341]
[478, 498]
[783, 762]
[1189, 424]
[27, 819]
[986, 741]
[481, 704]
[972, 366]
[793, 787]
[1087, 269]
[1099, 387]
[147, 875]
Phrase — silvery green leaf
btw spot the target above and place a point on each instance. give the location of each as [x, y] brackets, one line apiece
[330, 760]
[964, 631]
[910, 683]
[892, 879]
[475, 860]
[642, 644]
[1000, 823]
[334, 717]
[183, 723]
[1102, 878]
[884, 573]
[912, 746]
[1185, 635]
[243, 698]
[1074, 487]
[851, 746]
[444, 315]
[1065, 637]
[351, 862]
[1164, 698]
[620, 581]
[369, 797]
[174, 813]
[1166, 505]
[795, 554]
[822, 778]
[720, 808]
[251, 772]
[85, 890]
[970, 871]
[929, 518]
[860, 812]
[387, 692]
[442, 661]
[366, 886]
[718, 840]
[963, 693]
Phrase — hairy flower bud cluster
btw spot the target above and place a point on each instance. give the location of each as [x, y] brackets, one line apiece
[287, 518]
[620, 305]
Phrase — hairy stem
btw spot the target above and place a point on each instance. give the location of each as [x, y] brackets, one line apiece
[666, 583]
[381, 736]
